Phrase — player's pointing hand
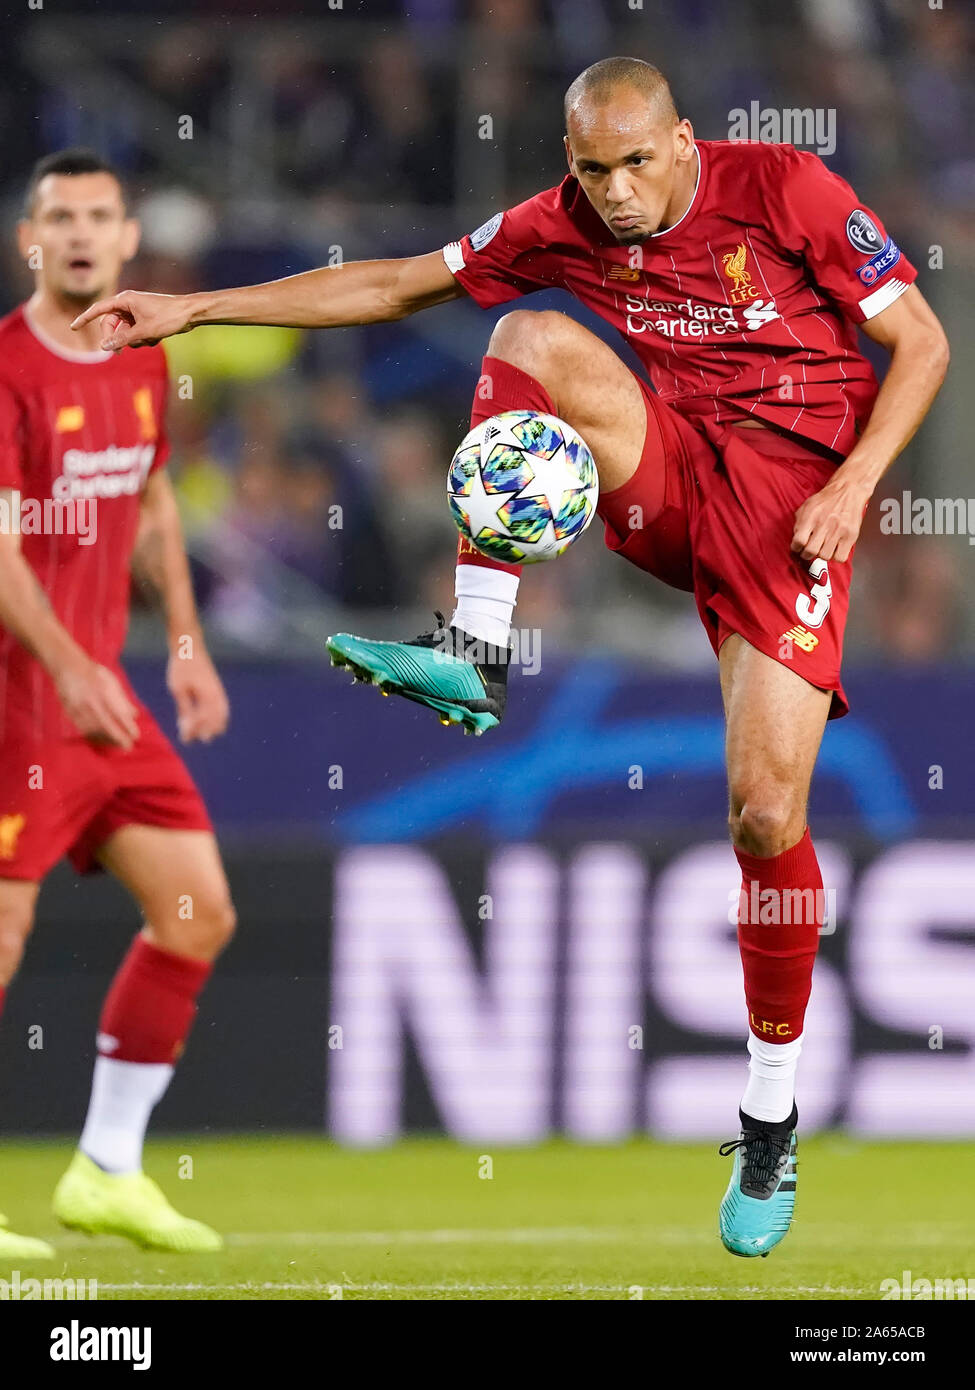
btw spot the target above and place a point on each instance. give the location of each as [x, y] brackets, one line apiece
[828, 523]
[135, 319]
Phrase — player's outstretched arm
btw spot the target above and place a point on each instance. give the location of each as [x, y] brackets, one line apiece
[333, 297]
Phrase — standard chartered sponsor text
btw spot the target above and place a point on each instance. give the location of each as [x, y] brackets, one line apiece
[107, 472]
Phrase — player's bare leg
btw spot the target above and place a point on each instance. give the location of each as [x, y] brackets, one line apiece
[541, 361]
[18, 899]
[177, 878]
[775, 722]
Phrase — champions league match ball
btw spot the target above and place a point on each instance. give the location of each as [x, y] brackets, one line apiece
[522, 487]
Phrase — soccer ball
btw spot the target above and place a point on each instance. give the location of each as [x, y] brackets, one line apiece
[522, 487]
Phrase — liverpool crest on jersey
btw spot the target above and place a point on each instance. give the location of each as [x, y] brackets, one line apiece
[735, 267]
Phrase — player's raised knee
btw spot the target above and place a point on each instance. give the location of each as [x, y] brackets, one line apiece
[527, 338]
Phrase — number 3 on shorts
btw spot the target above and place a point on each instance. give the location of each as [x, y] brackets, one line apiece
[813, 607]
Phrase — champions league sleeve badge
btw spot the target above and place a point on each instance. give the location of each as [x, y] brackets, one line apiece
[862, 233]
[484, 233]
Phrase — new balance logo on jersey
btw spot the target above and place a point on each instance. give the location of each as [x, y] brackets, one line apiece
[69, 418]
[800, 637]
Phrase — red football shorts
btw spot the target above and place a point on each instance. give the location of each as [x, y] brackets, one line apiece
[711, 509]
[67, 795]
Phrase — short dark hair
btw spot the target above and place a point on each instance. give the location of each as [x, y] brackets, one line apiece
[599, 81]
[70, 162]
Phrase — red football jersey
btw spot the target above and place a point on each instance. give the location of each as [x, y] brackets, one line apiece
[746, 306]
[84, 430]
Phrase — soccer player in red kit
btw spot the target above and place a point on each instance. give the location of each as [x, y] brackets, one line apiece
[84, 768]
[739, 274]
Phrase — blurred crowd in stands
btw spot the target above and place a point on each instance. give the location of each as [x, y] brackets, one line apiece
[310, 467]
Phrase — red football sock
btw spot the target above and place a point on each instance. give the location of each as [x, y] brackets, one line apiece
[150, 1006]
[3, 995]
[500, 387]
[780, 912]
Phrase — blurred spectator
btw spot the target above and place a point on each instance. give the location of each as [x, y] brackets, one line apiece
[334, 534]
[401, 153]
[313, 118]
[412, 468]
[938, 90]
[248, 596]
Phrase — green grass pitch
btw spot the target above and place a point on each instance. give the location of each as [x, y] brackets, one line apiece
[305, 1219]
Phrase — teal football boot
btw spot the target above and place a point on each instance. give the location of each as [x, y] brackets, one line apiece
[756, 1210]
[462, 679]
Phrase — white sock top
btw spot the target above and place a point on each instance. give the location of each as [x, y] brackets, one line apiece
[485, 603]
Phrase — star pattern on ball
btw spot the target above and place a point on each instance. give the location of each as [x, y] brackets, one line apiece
[482, 507]
[554, 477]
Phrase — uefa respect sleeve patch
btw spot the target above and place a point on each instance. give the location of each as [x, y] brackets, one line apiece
[885, 259]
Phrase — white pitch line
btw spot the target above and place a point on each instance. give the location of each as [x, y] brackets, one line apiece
[212, 1288]
[762, 1289]
[346, 1287]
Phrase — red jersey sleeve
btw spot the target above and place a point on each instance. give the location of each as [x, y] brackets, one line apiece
[845, 246]
[11, 438]
[508, 256]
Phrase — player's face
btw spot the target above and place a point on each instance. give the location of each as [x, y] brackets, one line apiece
[632, 164]
[79, 228]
